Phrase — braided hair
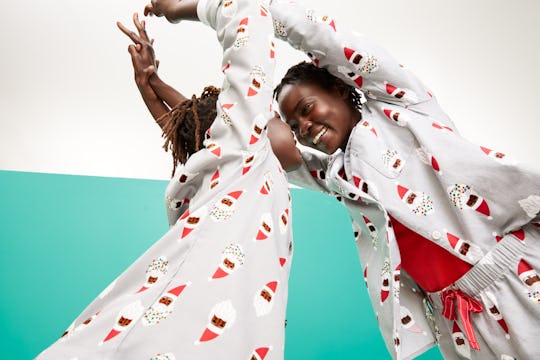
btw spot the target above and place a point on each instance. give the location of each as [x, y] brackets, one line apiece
[185, 124]
[307, 73]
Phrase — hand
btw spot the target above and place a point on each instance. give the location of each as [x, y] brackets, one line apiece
[149, 9]
[173, 10]
[141, 51]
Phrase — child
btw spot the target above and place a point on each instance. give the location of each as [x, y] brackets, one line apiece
[215, 285]
[447, 231]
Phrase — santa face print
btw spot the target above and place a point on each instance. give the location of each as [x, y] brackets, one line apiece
[165, 300]
[217, 322]
[266, 295]
[320, 118]
[531, 280]
[228, 264]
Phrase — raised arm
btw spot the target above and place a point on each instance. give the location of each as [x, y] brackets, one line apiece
[158, 96]
[351, 57]
[173, 10]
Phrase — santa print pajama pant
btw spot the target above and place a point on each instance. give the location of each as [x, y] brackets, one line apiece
[221, 287]
[504, 311]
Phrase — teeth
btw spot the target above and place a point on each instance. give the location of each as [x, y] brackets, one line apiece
[319, 135]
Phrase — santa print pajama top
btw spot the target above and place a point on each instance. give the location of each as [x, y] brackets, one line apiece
[405, 158]
[215, 285]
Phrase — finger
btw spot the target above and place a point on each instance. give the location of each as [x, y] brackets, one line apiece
[134, 37]
[138, 47]
[132, 49]
[157, 64]
[148, 10]
[139, 27]
[152, 41]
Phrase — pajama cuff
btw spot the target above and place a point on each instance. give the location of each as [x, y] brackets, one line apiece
[204, 9]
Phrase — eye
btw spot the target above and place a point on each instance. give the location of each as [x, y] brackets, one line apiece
[306, 108]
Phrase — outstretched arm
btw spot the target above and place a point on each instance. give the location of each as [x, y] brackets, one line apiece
[352, 57]
[158, 96]
[173, 10]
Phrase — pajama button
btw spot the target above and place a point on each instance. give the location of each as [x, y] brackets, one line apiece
[436, 235]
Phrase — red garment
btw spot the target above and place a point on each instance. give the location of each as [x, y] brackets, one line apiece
[430, 265]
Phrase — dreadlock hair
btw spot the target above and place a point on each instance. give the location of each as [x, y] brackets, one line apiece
[307, 73]
[185, 125]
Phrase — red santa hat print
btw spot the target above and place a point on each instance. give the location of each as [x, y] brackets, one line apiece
[224, 208]
[371, 228]
[231, 259]
[356, 78]
[156, 269]
[460, 343]
[427, 158]
[463, 196]
[527, 274]
[284, 221]
[264, 298]
[213, 147]
[164, 306]
[438, 126]
[405, 95]
[464, 248]
[260, 353]
[248, 162]
[266, 227]
[407, 320]
[396, 116]
[258, 127]
[221, 318]
[214, 180]
[385, 280]
[530, 278]
[492, 308]
[366, 125]
[353, 57]
[267, 184]
[258, 79]
[192, 221]
[272, 54]
[127, 316]
[325, 19]
[493, 154]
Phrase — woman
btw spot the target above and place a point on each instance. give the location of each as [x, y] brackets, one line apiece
[215, 285]
[448, 241]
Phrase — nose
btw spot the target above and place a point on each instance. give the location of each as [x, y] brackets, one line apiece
[304, 126]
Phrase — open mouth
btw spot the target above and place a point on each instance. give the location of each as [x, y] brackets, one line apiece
[319, 135]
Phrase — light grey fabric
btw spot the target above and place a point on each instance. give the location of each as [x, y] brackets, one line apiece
[404, 149]
[215, 285]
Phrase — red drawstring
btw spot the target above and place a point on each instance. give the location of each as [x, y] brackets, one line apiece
[465, 305]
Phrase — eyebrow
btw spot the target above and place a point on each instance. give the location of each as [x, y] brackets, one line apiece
[298, 104]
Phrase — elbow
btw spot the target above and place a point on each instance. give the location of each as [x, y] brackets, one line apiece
[283, 145]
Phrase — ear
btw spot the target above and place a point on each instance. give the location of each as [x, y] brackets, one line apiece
[342, 91]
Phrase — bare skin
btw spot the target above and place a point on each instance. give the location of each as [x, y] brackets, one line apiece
[173, 10]
[159, 97]
[321, 119]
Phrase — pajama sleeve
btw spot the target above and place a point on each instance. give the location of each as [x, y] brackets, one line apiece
[351, 57]
[244, 31]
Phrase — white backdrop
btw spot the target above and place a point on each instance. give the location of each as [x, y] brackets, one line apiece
[68, 103]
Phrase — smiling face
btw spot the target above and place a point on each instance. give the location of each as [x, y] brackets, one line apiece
[320, 118]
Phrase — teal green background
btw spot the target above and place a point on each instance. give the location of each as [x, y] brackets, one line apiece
[64, 238]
